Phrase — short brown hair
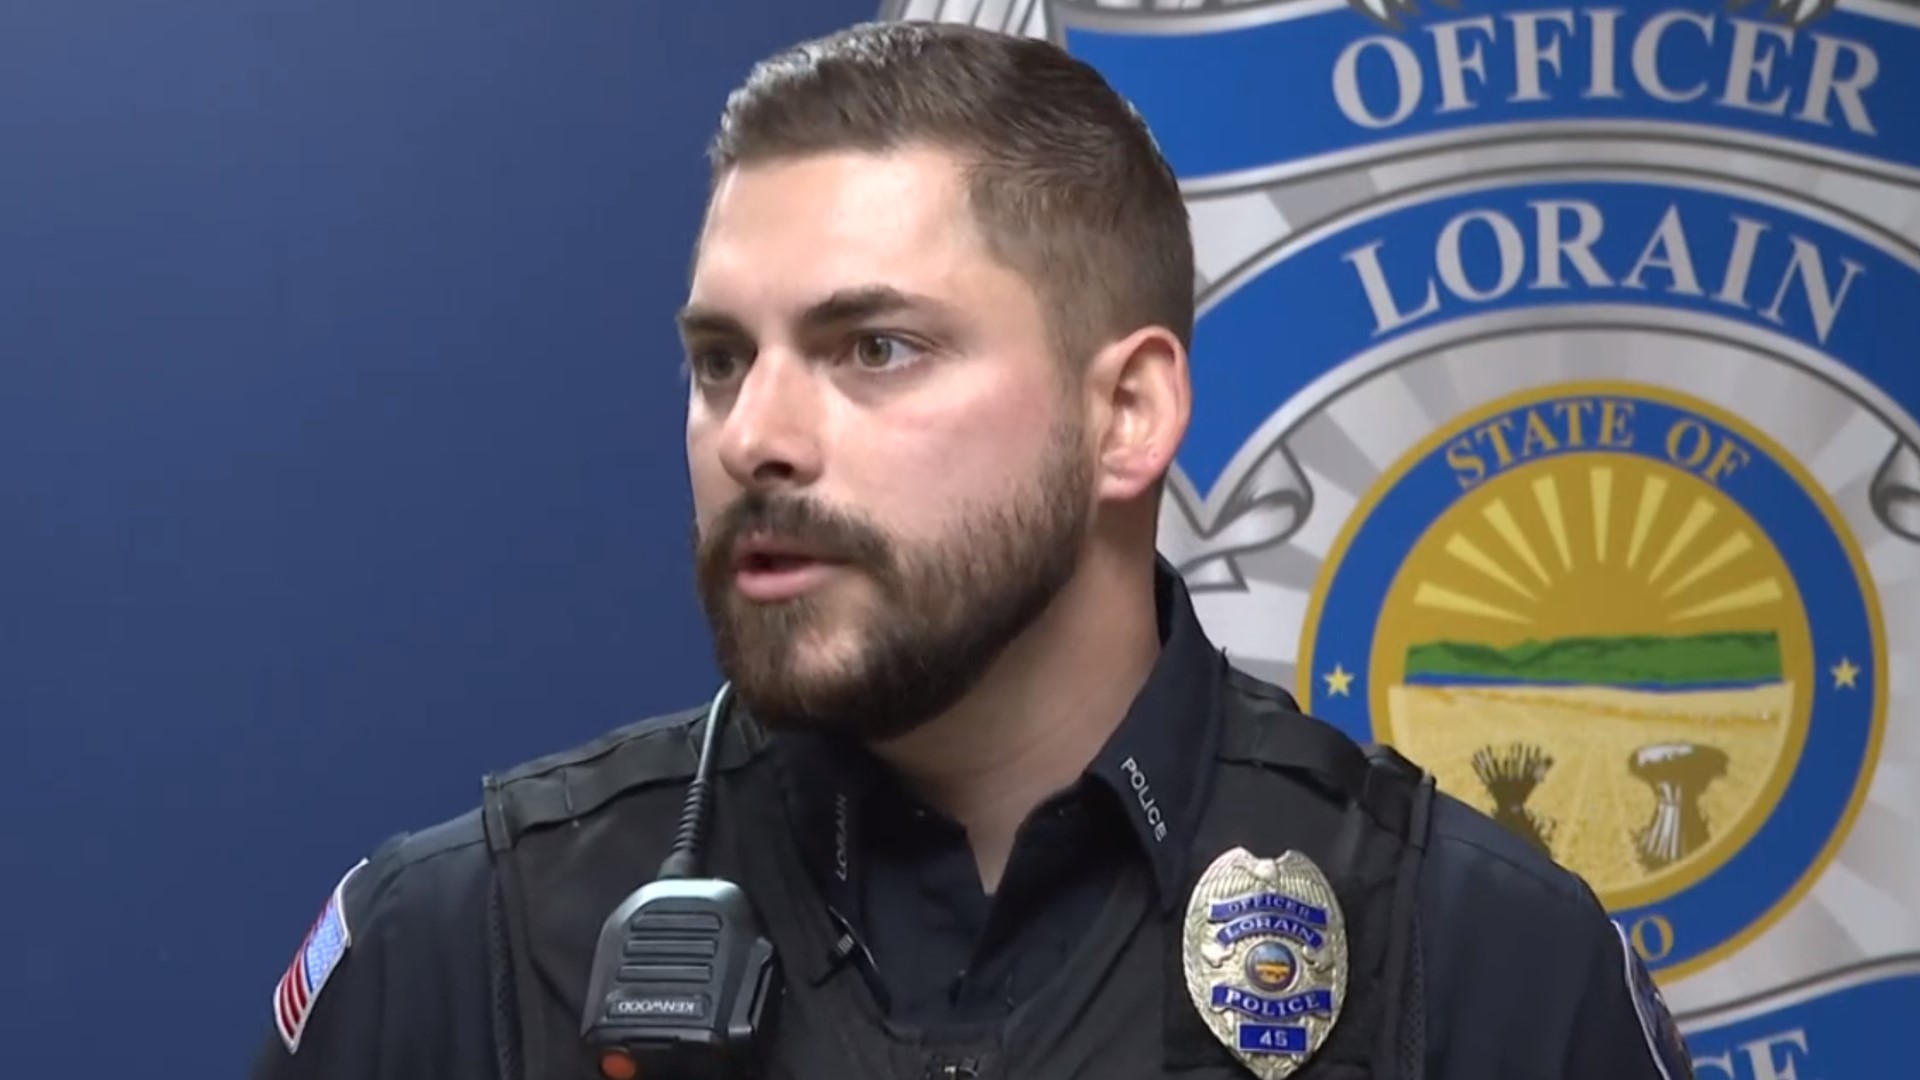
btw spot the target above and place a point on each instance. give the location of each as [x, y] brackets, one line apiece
[1064, 178]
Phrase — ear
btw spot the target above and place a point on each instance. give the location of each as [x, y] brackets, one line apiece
[1144, 397]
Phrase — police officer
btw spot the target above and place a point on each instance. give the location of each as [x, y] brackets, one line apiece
[994, 801]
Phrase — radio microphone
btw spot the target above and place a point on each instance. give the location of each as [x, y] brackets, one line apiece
[685, 983]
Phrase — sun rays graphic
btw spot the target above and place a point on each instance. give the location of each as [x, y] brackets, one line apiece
[1692, 561]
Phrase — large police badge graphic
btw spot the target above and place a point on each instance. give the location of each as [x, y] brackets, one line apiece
[1555, 389]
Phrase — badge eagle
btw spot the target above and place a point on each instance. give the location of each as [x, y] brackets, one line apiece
[1264, 948]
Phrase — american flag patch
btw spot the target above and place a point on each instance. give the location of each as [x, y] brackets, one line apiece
[325, 945]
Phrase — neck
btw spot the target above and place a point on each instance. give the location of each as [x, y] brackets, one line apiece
[1042, 712]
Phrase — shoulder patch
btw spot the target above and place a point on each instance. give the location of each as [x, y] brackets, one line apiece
[313, 963]
[1664, 1043]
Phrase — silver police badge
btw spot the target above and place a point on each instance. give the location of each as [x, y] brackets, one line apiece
[1265, 950]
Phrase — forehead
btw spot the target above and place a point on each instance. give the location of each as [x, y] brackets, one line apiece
[782, 233]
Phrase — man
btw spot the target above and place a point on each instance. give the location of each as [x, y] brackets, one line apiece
[1002, 809]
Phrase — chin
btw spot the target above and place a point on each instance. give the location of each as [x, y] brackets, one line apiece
[827, 656]
[798, 658]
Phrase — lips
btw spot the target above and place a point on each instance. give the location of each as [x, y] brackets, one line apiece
[773, 562]
[771, 571]
[769, 555]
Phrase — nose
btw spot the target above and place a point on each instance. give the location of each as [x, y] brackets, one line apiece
[770, 437]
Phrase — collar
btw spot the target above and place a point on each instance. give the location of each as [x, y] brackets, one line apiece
[1159, 760]
[1156, 763]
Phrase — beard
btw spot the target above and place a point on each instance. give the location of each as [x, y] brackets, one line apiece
[941, 612]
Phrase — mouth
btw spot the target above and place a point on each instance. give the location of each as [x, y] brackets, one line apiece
[768, 555]
[770, 570]
[769, 562]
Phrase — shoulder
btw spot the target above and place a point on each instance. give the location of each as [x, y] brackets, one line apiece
[1522, 963]
[435, 880]
[449, 861]
[395, 943]
[573, 783]
[1485, 894]
[396, 964]
[446, 861]
[429, 867]
[420, 891]
[1473, 860]
[663, 737]
[1503, 924]
[1256, 694]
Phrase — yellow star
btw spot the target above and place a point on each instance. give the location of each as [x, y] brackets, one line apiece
[1338, 680]
[1843, 674]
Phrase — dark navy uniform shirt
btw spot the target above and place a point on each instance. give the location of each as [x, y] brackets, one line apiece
[904, 877]
[415, 986]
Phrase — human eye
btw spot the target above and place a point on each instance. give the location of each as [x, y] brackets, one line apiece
[715, 365]
[884, 353]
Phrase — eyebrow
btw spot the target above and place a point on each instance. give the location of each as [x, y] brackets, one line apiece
[839, 308]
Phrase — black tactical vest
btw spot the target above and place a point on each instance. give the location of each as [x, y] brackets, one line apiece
[572, 835]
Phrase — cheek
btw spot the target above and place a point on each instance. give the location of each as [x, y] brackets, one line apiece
[707, 479]
[930, 470]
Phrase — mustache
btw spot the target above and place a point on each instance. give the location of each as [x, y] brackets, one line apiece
[839, 535]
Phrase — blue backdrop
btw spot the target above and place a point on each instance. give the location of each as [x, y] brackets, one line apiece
[340, 458]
